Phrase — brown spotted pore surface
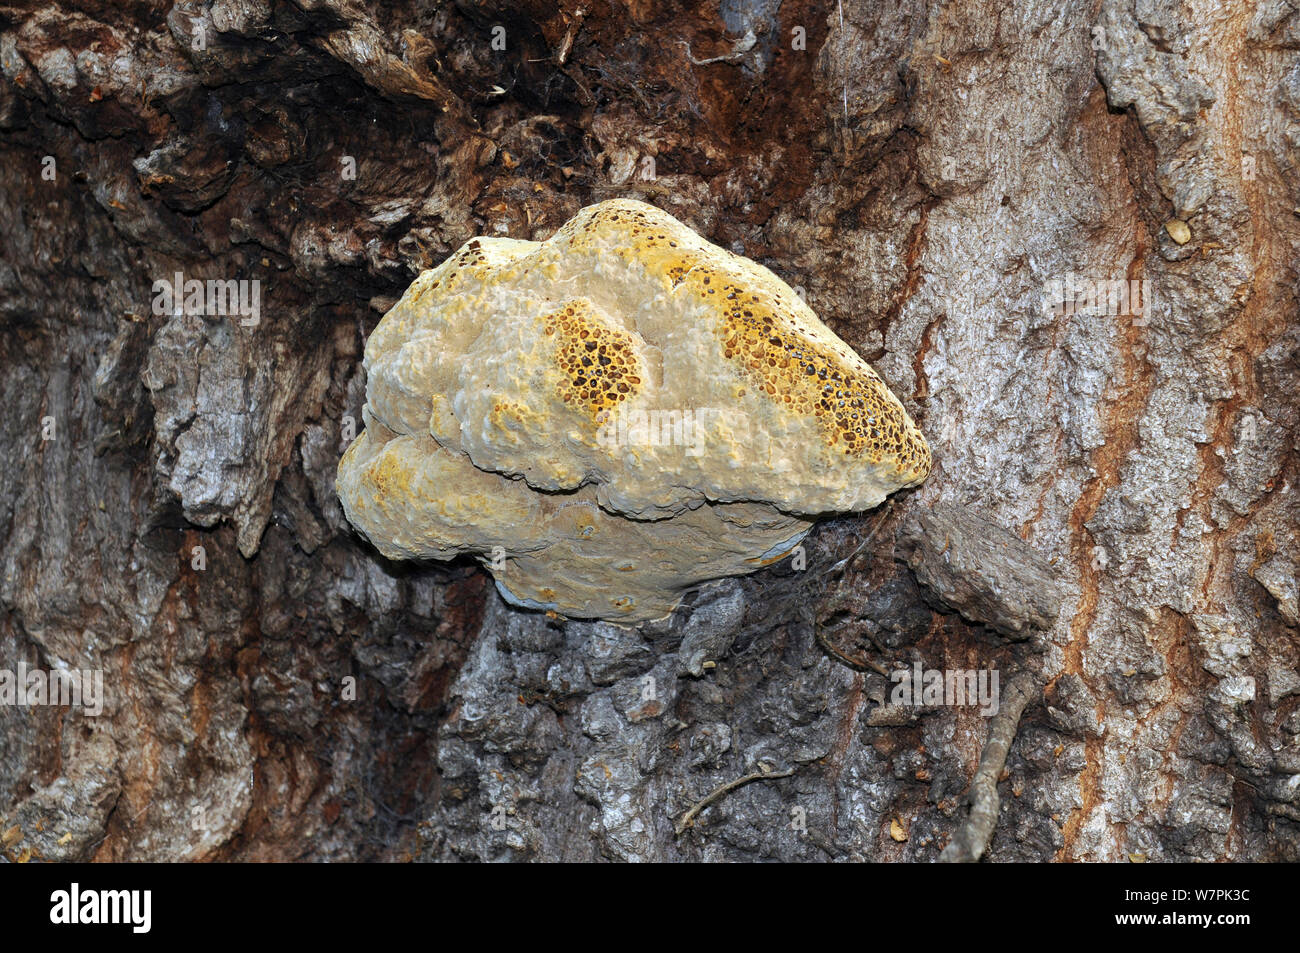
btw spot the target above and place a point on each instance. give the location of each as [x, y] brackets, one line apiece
[768, 331]
[599, 364]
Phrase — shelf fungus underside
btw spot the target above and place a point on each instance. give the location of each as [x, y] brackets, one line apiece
[614, 415]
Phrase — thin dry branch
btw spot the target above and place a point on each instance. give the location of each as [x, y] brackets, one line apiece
[971, 839]
[688, 819]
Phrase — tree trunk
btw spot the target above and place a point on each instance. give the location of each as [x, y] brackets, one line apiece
[962, 190]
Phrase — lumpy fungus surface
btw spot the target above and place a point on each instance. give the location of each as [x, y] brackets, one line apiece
[612, 416]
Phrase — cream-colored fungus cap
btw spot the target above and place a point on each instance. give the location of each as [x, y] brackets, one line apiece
[614, 415]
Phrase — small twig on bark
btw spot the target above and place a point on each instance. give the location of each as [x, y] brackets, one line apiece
[858, 665]
[738, 50]
[688, 819]
[971, 839]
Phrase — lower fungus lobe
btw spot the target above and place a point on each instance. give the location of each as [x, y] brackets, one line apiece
[599, 365]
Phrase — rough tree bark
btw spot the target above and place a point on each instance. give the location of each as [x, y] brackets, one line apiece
[924, 171]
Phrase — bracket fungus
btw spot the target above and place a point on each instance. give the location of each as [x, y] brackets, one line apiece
[613, 415]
